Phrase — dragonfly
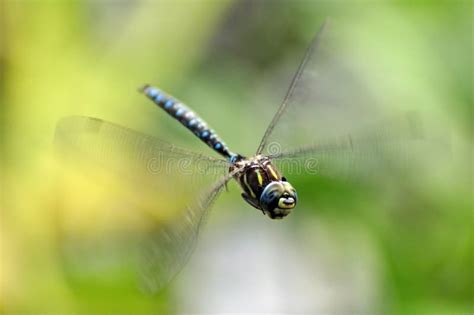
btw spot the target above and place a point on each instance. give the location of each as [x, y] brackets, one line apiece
[327, 116]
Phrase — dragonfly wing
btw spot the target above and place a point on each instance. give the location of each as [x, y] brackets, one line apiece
[326, 99]
[167, 249]
[335, 113]
[110, 145]
[124, 194]
[388, 146]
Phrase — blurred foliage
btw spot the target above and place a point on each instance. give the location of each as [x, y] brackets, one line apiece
[226, 59]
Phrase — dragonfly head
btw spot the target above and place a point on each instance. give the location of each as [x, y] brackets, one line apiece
[278, 199]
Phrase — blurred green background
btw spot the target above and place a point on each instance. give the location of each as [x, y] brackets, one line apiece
[401, 252]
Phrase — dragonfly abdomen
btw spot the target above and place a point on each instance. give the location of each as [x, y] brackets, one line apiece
[187, 118]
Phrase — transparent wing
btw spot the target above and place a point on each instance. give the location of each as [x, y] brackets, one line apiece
[168, 248]
[111, 145]
[129, 201]
[295, 87]
[390, 147]
[334, 118]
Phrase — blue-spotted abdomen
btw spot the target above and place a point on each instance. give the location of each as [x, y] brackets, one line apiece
[188, 118]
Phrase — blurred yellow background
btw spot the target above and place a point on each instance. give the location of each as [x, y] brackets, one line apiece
[395, 253]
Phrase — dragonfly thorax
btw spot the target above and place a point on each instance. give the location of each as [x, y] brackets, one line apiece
[264, 187]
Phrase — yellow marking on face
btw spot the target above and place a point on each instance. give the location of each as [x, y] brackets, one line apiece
[259, 177]
[270, 168]
[283, 205]
[248, 186]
